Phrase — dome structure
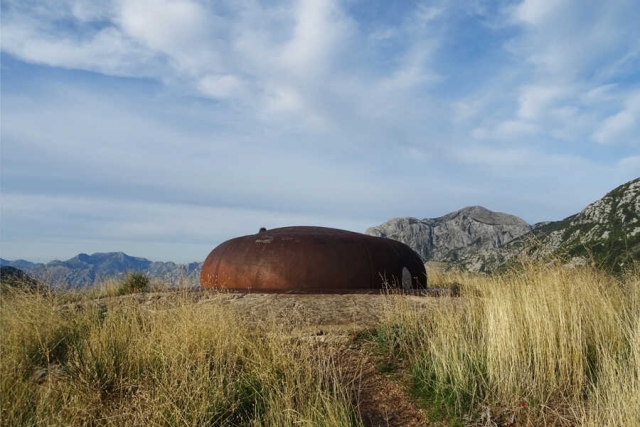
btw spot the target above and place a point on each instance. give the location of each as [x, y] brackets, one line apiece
[313, 260]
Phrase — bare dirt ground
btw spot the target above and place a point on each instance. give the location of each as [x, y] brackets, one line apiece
[331, 320]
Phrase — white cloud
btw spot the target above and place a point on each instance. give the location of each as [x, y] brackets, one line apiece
[509, 130]
[599, 94]
[616, 127]
[278, 61]
[413, 70]
[226, 86]
[89, 10]
[568, 39]
[535, 99]
[564, 88]
[285, 99]
[622, 127]
[537, 12]
[630, 165]
[130, 147]
[321, 29]
[467, 109]
[107, 51]
[179, 29]
[568, 179]
[569, 123]
[165, 39]
[626, 64]
[497, 158]
[383, 34]
[425, 14]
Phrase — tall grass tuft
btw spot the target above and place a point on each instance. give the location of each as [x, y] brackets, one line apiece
[547, 346]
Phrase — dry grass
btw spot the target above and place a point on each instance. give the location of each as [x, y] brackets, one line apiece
[543, 346]
[127, 364]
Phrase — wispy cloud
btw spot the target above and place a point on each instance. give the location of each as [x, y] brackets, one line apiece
[622, 127]
[325, 111]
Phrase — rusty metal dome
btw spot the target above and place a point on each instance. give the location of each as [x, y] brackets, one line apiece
[312, 259]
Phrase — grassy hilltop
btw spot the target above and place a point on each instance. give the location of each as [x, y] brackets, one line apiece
[541, 346]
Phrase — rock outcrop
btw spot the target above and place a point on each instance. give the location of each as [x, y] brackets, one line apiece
[454, 235]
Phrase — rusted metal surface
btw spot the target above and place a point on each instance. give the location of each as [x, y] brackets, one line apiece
[312, 259]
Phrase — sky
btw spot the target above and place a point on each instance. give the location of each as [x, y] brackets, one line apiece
[161, 128]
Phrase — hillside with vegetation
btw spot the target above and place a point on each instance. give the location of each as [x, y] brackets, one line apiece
[606, 233]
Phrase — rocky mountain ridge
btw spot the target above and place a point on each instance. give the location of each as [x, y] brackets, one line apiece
[606, 232]
[84, 270]
[454, 235]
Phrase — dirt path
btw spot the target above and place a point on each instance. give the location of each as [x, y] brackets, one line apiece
[383, 399]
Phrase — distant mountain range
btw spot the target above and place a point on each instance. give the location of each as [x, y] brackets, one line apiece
[84, 270]
[606, 232]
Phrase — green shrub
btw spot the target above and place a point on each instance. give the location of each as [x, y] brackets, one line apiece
[134, 282]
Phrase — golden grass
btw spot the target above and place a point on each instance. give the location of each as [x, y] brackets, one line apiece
[90, 363]
[545, 346]
[541, 346]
